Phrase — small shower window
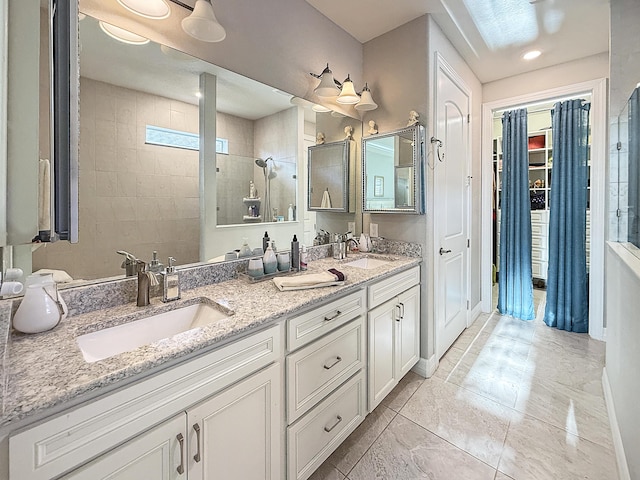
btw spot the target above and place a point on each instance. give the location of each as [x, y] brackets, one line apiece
[167, 137]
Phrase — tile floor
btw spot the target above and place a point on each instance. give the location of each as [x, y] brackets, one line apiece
[510, 400]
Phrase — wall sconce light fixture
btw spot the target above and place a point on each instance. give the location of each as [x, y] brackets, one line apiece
[345, 91]
[202, 24]
[154, 9]
[122, 35]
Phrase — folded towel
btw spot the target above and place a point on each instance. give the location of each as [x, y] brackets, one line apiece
[326, 199]
[310, 280]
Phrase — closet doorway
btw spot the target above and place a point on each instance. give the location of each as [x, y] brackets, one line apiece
[541, 170]
[540, 173]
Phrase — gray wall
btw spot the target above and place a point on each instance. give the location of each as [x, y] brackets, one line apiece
[622, 269]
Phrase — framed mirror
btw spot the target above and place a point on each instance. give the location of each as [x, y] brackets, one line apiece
[392, 171]
[329, 174]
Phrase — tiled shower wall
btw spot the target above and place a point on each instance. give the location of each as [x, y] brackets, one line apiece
[133, 196]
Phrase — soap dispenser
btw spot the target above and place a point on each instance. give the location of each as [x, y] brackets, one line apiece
[171, 284]
[269, 260]
[245, 249]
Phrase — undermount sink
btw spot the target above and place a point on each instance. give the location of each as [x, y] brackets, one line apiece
[129, 336]
[366, 263]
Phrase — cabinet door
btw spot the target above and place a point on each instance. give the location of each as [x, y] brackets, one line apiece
[238, 433]
[382, 351]
[408, 331]
[155, 454]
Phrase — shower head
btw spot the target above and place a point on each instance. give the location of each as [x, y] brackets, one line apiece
[263, 163]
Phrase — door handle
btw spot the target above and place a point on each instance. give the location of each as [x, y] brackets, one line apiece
[443, 251]
[402, 315]
[197, 457]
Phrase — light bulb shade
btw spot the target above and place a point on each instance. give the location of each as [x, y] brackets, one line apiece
[320, 108]
[122, 35]
[154, 9]
[202, 24]
[366, 102]
[348, 95]
[327, 86]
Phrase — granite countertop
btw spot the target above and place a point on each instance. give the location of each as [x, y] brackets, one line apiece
[47, 370]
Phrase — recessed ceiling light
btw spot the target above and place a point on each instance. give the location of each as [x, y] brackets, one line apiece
[122, 35]
[198, 94]
[530, 55]
[154, 9]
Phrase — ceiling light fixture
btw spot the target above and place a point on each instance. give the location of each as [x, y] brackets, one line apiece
[122, 35]
[153, 9]
[320, 108]
[346, 93]
[530, 55]
[202, 24]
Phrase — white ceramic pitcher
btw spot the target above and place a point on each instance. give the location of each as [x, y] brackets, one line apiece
[42, 307]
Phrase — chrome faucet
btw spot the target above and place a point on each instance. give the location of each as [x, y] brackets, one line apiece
[146, 279]
[129, 263]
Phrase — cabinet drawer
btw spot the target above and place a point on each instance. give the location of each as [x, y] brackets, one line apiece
[390, 287]
[68, 440]
[317, 369]
[313, 324]
[315, 436]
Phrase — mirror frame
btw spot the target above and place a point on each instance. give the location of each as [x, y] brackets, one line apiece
[418, 134]
[346, 163]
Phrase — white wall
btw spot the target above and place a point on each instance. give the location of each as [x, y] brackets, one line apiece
[589, 68]
[621, 269]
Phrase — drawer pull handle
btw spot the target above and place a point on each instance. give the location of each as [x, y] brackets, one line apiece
[399, 316]
[402, 305]
[196, 457]
[338, 420]
[335, 362]
[181, 442]
[328, 319]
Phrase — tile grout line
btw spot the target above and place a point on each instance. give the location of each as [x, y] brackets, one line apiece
[452, 444]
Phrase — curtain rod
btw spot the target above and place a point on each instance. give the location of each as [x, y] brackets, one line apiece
[497, 113]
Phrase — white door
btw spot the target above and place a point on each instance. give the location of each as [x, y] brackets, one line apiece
[159, 453]
[451, 206]
[237, 433]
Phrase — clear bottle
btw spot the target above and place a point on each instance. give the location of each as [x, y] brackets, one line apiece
[290, 213]
[270, 260]
[303, 258]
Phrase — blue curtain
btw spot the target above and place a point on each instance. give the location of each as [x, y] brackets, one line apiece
[567, 301]
[515, 287]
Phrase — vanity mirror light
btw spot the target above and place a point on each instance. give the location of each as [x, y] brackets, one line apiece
[392, 171]
[330, 169]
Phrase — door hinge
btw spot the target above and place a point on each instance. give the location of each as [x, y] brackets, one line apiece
[618, 213]
[468, 118]
[468, 243]
[467, 304]
[619, 145]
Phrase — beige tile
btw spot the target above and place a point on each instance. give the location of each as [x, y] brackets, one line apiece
[105, 133]
[106, 184]
[470, 333]
[560, 340]
[470, 421]
[403, 391]
[407, 451]
[354, 447]
[126, 109]
[126, 135]
[514, 328]
[576, 411]
[105, 107]
[537, 450]
[502, 476]
[449, 362]
[326, 471]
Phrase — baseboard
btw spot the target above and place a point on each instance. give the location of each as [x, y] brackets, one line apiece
[425, 368]
[621, 458]
[475, 313]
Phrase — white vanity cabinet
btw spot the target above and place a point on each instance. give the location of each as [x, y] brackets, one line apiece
[232, 435]
[326, 381]
[232, 394]
[394, 332]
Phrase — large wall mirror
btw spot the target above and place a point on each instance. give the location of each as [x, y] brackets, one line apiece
[391, 175]
[141, 181]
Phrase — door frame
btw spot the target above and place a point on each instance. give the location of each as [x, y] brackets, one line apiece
[598, 202]
[441, 64]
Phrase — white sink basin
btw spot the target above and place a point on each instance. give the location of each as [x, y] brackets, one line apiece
[129, 336]
[366, 263]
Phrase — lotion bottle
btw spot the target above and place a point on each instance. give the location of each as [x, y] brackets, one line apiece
[270, 260]
[295, 253]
